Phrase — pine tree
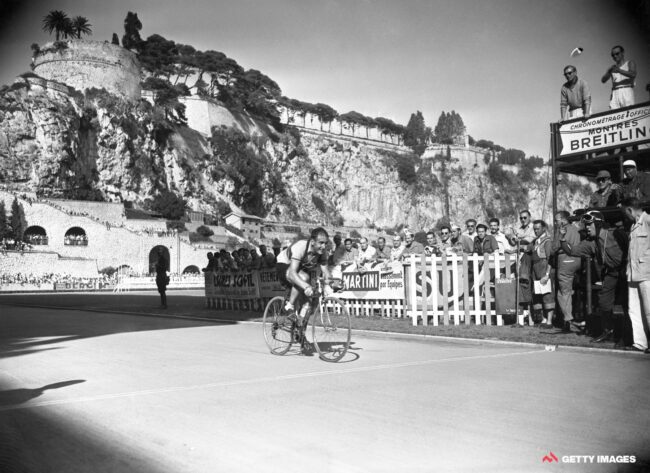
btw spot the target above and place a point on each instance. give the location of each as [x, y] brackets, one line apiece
[18, 222]
[4, 225]
[416, 133]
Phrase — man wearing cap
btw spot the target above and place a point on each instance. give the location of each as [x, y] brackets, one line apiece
[575, 96]
[608, 194]
[635, 184]
[608, 246]
[460, 243]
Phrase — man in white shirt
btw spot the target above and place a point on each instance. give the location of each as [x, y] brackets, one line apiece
[367, 254]
[504, 244]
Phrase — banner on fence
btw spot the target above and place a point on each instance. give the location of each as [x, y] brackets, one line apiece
[89, 285]
[238, 285]
[269, 284]
[457, 283]
[377, 282]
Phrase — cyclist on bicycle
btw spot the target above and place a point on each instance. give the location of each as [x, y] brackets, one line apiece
[296, 262]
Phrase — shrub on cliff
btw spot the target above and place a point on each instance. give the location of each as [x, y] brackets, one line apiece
[167, 204]
[4, 224]
[204, 231]
[251, 170]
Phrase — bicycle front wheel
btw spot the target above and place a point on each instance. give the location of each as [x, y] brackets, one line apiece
[331, 329]
[278, 328]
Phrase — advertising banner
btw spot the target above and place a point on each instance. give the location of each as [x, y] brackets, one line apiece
[378, 282]
[619, 128]
[237, 285]
[269, 284]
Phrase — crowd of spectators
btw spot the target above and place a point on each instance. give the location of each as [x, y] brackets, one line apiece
[53, 278]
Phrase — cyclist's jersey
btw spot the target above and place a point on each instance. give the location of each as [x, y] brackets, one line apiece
[309, 260]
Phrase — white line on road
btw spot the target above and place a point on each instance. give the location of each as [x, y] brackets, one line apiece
[265, 379]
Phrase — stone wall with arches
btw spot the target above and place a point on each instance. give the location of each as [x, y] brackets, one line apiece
[104, 246]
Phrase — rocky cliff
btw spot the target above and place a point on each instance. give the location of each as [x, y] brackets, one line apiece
[95, 146]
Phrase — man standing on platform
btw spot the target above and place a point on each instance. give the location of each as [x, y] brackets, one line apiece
[622, 74]
[575, 96]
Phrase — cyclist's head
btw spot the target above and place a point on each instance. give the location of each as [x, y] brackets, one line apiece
[319, 239]
[319, 231]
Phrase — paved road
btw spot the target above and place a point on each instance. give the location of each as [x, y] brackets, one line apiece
[103, 392]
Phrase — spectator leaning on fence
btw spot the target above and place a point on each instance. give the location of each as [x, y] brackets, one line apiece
[456, 240]
[367, 254]
[431, 247]
[444, 245]
[397, 250]
[483, 243]
[351, 253]
[383, 253]
[566, 267]
[268, 258]
[638, 274]
[470, 228]
[411, 247]
[502, 241]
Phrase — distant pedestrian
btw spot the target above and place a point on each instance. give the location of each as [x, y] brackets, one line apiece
[162, 278]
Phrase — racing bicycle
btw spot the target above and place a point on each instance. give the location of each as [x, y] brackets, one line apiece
[331, 329]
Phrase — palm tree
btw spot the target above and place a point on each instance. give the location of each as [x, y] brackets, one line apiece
[56, 21]
[80, 26]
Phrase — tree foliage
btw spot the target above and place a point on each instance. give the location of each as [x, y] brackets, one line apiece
[416, 133]
[166, 97]
[168, 204]
[511, 156]
[449, 126]
[5, 231]
[18, 222]
[59, 22]
[115, 39]
[132, 26]
[79, 25]
[204, 231]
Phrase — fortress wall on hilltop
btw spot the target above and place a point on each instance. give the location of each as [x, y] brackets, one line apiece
[312, 122]
[84, 64]
[203, 114]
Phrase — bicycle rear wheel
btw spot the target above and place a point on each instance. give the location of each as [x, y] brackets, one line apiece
[278, 328]
[331, 329]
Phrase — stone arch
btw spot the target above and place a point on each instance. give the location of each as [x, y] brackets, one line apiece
[191, 269]
[75, 236]
[153, 257]
[35, 235]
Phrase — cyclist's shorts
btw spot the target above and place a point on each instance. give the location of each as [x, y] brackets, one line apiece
[281, 269]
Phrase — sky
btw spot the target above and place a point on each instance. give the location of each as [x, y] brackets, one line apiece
[498, 63]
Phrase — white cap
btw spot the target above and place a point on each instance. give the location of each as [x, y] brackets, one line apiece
[629, 162]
